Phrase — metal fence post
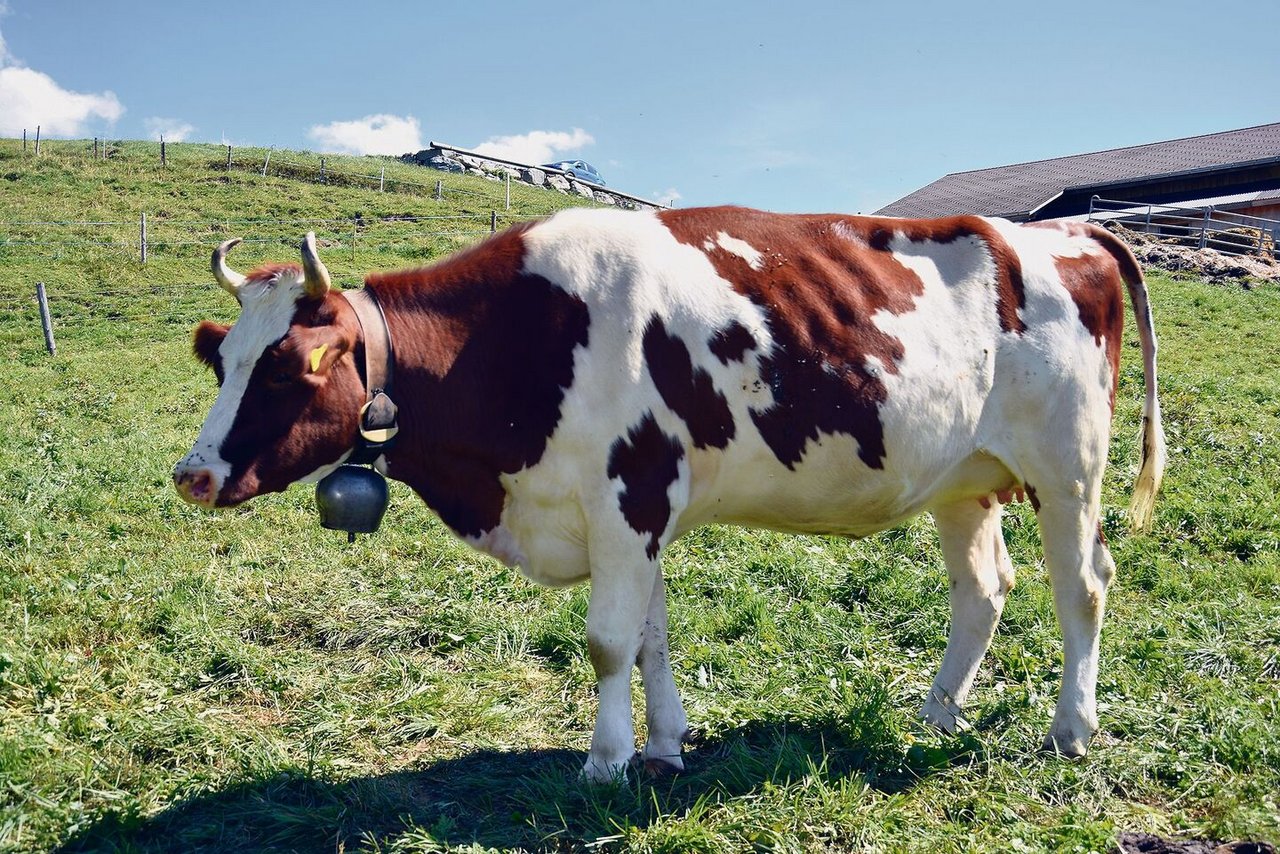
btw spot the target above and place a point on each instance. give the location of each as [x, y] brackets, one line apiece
[143, 238]
[508, 191]
[493, 221]
[228, 158]
[265, 162]
[382, 179]
[45, 320]
[37, 140]
[439, 190]
[321, 170]
[1204, 227]
[164, 161]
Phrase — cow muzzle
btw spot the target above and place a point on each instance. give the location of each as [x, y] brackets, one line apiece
[196, 485]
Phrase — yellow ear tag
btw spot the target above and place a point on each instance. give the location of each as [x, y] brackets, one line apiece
[316, 355]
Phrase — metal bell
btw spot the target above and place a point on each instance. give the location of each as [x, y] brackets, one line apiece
[353, 499]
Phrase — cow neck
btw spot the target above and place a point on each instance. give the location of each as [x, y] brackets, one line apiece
[378, 425]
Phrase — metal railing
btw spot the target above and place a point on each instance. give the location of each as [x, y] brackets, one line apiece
[1201, 227]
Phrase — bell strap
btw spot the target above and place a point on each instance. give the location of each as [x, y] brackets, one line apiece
[378, 425]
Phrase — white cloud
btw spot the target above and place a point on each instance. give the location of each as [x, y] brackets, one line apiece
[667, 197]
[29, 98]
[536, 146]
[171, 130]
[377, 134]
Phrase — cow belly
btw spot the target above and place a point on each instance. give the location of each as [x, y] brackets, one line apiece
[832, 492]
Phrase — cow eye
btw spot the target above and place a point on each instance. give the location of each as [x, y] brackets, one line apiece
[280, 378]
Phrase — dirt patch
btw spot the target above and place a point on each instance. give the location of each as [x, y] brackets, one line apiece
[1209, 264]
[1132, 842]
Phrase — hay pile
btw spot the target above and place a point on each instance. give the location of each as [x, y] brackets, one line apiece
[1210, 264]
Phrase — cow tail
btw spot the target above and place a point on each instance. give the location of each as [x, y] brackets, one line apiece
[1151, 438]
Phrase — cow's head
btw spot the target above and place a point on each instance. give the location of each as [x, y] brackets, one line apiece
[290, 392]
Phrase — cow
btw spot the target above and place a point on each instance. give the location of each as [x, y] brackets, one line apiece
[576, 393]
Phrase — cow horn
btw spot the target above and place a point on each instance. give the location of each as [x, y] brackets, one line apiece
[315, 277]
[228, 278]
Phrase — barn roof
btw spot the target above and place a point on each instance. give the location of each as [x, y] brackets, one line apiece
[1018, 190]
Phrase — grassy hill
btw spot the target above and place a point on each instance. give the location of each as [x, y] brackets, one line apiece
[174, 680]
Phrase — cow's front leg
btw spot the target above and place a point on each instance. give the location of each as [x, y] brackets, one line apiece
[663, 711]
[620, 596]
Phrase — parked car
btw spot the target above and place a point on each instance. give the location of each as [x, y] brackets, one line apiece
[580, 169]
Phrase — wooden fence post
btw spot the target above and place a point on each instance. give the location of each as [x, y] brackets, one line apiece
[439, 190]
[321, 170]
[45, 320]
[493, 221]
[143, 238]
[164, 161]
[95, 148]
[24, 140]
[228, 158]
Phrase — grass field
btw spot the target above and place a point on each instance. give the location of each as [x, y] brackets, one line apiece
[174, 680]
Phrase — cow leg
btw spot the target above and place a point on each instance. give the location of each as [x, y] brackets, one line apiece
[620, 596]
[1081, 569]
[664, 713]
[981, 575]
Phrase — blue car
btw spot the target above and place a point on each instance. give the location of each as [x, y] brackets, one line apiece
[580, 169]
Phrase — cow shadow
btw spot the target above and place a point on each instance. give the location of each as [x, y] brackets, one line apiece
[529, 799]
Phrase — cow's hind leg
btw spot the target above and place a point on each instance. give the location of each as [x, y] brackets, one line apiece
[1080, 568]
[664, 713]
[981, 575]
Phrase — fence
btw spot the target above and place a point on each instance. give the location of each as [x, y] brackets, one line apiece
[126, 310]
[151, 237]
[153, 234]
[1202, 227]
[154, 238]
[403, 236]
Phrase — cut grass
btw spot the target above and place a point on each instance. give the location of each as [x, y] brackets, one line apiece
[172, 680]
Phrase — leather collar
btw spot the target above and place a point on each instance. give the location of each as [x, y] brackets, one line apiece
[378, 425]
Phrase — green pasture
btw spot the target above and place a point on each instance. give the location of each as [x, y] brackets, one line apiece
[175, 680]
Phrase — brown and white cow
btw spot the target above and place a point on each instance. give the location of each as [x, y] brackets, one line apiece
[578, 392]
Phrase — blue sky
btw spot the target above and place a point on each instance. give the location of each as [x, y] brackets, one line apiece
[815, 106]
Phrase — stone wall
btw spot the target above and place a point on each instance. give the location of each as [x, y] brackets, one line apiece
[453, 160]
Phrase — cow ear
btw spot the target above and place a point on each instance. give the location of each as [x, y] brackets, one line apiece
[206, 341]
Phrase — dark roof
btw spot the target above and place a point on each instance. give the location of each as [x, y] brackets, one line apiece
[1020, 189]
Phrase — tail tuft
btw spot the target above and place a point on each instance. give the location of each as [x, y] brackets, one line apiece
[1143, 504]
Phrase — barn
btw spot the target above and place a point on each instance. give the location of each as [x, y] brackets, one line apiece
[1236, 171]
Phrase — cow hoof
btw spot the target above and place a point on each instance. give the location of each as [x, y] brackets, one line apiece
[604, 774]
[941, 712]
[1068, 747]
[662, 769]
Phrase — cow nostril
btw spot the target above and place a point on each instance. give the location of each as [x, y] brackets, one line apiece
[195, 486]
